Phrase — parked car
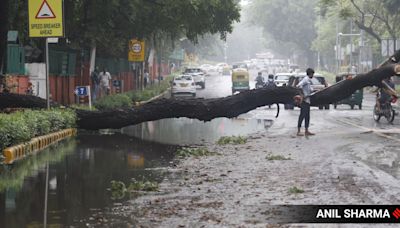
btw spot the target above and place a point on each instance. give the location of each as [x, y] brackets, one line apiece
[282, 79]
[354, 99]
[318, 83]
[197, 74]
[183, 84]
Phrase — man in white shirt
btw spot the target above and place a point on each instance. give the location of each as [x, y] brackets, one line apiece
[105, 78]
[305, 85]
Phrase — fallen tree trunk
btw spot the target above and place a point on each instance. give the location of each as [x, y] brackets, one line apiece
[12, 100]
[201, 109]
[208, 109]
[345, 88]
[232, 106]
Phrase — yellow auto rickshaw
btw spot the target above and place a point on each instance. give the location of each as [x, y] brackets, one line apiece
[240, 80]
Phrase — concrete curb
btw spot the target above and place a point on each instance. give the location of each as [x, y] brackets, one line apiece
[36, 144]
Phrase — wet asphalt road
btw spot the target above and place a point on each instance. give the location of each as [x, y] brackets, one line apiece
[351, 160]
[382, 135]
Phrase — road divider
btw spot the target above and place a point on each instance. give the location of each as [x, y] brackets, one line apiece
[17, 152]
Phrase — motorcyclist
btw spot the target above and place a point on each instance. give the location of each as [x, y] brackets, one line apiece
[270, 83]
[385, 93]
[260, 79]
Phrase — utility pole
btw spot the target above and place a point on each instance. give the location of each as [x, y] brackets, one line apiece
[337, 48]
[351, 44]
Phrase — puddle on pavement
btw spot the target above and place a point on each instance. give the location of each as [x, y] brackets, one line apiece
[79, 173]
[182, 131]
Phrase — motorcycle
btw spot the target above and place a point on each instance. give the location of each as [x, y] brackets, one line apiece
[386, 110]
[260, 84]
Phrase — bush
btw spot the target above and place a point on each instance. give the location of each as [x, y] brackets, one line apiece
[114, 101]
[126, 100]
[20, 127]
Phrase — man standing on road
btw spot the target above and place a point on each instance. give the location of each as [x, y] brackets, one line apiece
[305, 85]
[105, 78]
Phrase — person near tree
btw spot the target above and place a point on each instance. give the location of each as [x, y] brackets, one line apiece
[305, 85]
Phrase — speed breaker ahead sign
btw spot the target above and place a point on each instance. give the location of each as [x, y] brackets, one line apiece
[46, 18]
[136, 51]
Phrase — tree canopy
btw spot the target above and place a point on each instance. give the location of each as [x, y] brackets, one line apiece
[288, 21]
[112, 23]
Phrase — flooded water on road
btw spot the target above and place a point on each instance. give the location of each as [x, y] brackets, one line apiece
[79, 173]
[189, 131]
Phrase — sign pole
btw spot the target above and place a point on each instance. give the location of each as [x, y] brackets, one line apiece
[89, 97]
[47, 74]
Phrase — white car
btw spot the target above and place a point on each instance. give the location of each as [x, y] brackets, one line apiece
[183, 84]
[208, 69]
[282, 79]
[198, 76]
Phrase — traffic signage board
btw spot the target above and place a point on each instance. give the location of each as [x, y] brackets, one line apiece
[46, 18]
[81, 91]
[136, 51]
[117, 83]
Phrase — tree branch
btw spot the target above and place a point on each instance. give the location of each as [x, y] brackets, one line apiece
[369, 30]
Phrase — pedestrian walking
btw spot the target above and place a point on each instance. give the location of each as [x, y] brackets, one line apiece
[95, 77]
[305, 85]
[105, 78]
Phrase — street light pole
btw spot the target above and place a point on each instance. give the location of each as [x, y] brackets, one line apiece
[339, 35]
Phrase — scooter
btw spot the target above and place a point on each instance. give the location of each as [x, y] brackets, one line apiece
[260, 84]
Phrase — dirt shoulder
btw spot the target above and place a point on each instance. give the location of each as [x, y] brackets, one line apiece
[235, 188]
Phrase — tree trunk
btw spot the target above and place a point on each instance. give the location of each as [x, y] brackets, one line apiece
[12, 100]
[4, 7]
[208, 109]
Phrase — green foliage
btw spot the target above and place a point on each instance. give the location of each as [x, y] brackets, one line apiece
[290, 22]
[150, 91]
[82, 107]
[108, 24]
[196, 152]
[113, 102]
[118, 188]
[125, 100]
[146, 186]
[232, 140]
[276, 157]
[295, 190]
[21, 126]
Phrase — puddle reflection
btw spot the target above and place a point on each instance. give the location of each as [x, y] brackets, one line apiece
[79, 174]
[180, 131]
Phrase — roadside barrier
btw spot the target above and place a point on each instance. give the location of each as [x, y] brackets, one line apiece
[36, 144]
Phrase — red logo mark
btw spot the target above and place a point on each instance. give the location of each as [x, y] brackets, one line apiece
[396, 213]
